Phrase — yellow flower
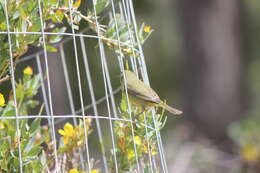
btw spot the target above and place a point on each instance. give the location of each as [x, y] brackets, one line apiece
[28, 71]
[2, 126]
[2, 100]
[128, 50]
[59, 12]
[73, 171]
[94, 171]
[67, 132]
[145, 148]
[154, 151]
[77, 4]
[38, 138]
[130, 154]
[147, 28]
[250, 153]
[80, 143]
[137, 140]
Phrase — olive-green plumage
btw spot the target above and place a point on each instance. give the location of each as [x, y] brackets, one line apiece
[140, 94]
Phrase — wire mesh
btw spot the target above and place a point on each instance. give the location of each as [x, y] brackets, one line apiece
[81, 69]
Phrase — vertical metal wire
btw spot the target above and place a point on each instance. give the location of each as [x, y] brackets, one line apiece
[45, 99]
[49, 87]
[123, 12]
[69, 92]
[67, 81]
[133, 59]
[105, 75]
[13, 88]
[148, 144]
[93, 100]
[162, 150]
[127, 10]
[79, 83]
[109, 111]
[146, 80]
[143, 64]
[121, 64]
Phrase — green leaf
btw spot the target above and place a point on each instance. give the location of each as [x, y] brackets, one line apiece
[4, 164]
[9, 110]
[16, 14]
[4, 146]
[34, 83]
[27, 160]
[123, 104]
[36, 125]
[59, 15]
[100, 5]
[34, 151]
[57, 37]
[3, 26]
[43, 158]
[50, 48]
[76, 27]
[30, 144]
[54, 2]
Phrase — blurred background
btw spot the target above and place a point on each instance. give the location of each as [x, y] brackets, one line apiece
[203, 57]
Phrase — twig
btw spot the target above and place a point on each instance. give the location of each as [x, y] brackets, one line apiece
[6, 78]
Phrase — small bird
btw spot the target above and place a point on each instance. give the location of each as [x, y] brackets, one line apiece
[140, 94]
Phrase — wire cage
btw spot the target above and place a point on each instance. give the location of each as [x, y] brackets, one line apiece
[66, 111]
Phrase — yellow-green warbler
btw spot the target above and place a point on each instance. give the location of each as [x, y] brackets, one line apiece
[140, 94]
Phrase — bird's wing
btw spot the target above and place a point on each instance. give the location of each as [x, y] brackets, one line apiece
[143, 91]
[146, 98]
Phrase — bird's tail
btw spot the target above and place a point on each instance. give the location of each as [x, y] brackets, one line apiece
[170, 109]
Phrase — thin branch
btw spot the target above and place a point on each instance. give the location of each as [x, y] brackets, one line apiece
[6, 78]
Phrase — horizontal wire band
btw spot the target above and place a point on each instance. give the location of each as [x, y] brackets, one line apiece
[73, 116]
[64, 34]
[29, 57]
[98, 101]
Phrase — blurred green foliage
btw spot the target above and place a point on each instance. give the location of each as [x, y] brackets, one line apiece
[136, 140]
[30, 135]
[26, 24]
[245, 132]
[24, 17]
